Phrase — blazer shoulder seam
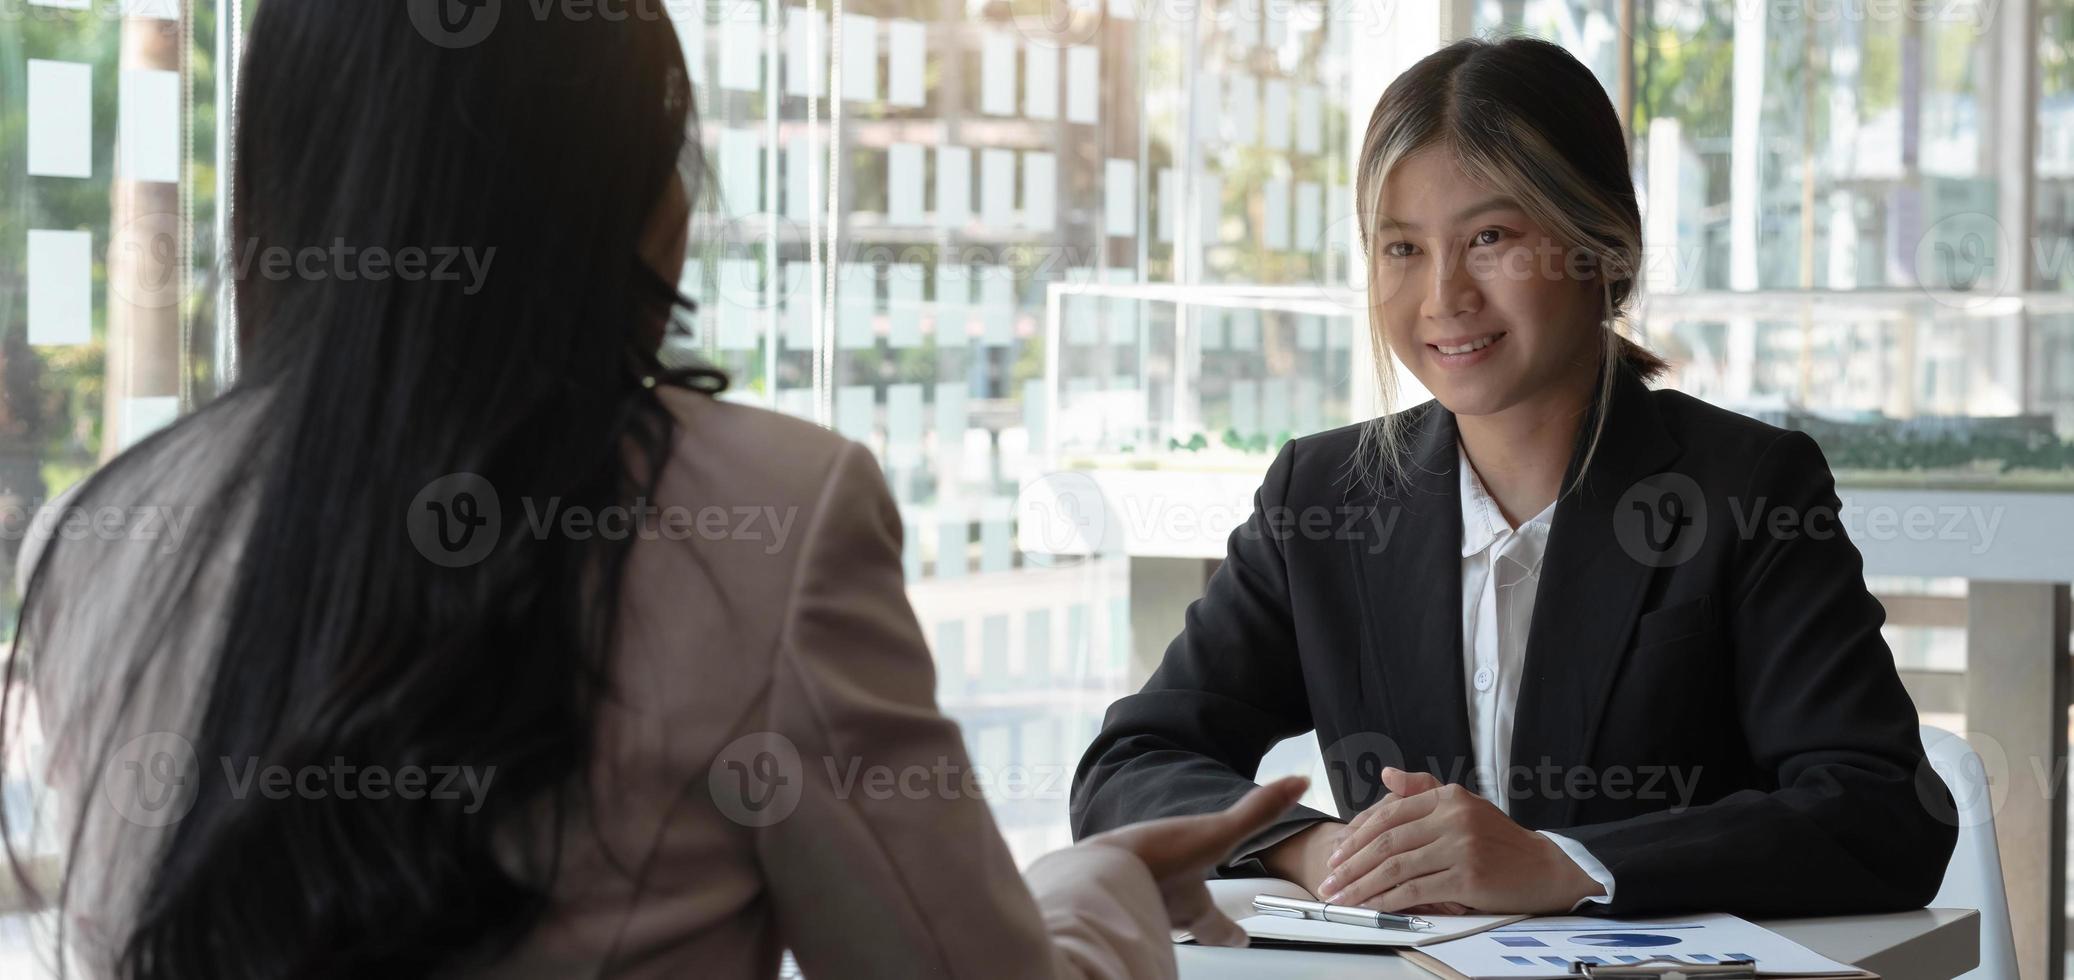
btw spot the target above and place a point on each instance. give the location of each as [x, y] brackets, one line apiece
[796, 581]
[784, 659]
[776, 652]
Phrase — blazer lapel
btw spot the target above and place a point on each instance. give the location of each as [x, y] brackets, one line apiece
[1407, 562]
[1585, 608]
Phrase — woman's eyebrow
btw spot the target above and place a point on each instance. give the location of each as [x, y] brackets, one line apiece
[1481, 207]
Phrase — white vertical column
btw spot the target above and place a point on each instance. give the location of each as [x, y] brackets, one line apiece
[1745, 180]
[1745, 192]
[2015, 152]
[1660, 223]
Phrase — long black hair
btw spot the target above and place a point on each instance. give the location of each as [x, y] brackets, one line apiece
[540, 149]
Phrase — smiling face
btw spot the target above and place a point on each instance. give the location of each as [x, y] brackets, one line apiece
[1490, 312]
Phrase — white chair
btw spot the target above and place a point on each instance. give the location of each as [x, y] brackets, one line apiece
[1974, 878]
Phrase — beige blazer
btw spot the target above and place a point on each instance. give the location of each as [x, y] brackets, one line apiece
[769, 665]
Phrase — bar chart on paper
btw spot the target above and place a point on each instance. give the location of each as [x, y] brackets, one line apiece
[1549, 946]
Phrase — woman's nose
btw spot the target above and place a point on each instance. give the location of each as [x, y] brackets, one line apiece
[1451, 290]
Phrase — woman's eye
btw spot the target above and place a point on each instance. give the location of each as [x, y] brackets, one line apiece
[1495, 236]
[1398, 250]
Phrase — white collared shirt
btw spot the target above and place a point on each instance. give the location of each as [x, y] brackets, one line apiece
[1501, 572]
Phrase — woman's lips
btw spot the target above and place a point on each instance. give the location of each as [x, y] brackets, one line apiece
[1465, 351]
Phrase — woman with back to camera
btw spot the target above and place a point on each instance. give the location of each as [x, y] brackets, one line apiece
[653, 728]
[1549, 666]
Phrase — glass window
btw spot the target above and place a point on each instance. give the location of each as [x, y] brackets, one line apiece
[986, 157]
[114, 310]
[109, 258]
[995, 242]
[1817, 152]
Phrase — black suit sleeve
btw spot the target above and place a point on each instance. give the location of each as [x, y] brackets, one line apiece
[1227, 690]
[1855, 820]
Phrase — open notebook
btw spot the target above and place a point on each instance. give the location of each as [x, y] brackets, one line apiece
[1234, 897]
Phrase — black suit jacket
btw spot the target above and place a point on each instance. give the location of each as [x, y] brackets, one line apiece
[1706, 702]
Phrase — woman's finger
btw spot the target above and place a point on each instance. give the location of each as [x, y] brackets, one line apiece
[1404, 783]
[1356, 838]
[1386, 874]
[1177, 849]
[1214, 928]
[1224, 832]
[1263, 806]
[1186, 845]
[1435, 888]
[1397, 813]
[1397, 784]
[1380, 807]
[1356, 864]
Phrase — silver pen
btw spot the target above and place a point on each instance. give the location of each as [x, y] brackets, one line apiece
[1352, 915]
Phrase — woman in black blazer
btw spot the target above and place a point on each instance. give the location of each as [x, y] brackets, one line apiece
[1566, 642]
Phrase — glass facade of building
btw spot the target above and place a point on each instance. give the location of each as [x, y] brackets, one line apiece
[941, 227]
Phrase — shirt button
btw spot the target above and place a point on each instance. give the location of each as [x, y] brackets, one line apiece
[1483, 679]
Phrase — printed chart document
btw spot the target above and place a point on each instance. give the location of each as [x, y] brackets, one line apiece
[1234, 897]
[1545, 947]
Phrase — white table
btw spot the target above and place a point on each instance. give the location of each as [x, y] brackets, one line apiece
[1927, 944]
